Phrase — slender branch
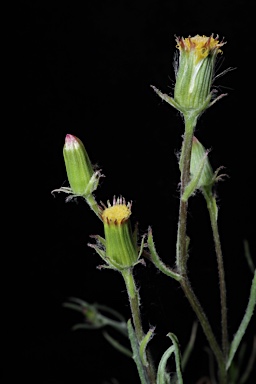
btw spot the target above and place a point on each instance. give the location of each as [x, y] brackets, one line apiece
[211, 204]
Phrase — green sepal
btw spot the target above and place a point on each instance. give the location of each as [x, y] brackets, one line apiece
[100, 251]
[87, 195]
[168, 99]
[90, 188]
[100, 240]
[185, 111]
[110, 263]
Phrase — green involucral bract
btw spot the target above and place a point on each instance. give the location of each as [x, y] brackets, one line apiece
[121, 248]
[194, 74]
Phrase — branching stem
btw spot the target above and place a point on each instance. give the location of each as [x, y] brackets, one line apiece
[181, 248]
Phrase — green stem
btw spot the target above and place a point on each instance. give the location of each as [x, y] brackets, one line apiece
[93, 205]
[212, 208]
[196, 306]
[181, 248]
[135, 310]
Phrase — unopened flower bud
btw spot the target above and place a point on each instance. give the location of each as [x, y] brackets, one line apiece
[78, 166]
[200, 165]
[194, 75]
[121, 248]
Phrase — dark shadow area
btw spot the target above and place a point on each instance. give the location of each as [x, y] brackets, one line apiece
[86, 70]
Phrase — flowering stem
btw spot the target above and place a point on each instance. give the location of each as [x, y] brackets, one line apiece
[134, 302]
[135, 309]
[211, 204]
[181, 248]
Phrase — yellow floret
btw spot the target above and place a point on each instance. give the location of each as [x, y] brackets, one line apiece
[116, 214]
[202, 45]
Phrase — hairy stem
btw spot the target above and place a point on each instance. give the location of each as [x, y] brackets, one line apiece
[135, 310]
[93, 205]
[195, 304]
[181, 248]
[211, 204]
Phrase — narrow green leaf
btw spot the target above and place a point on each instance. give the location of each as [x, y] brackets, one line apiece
[161, 372]
[177, 357]
[246, 319]
[248, 256]
[136, 354]
[157, 261]
[117, 345]
[190, 345]
[144, 344]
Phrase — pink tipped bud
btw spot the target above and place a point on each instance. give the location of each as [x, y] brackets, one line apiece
[78, 166]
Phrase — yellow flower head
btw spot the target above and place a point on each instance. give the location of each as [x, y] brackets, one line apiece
[117, 213]
[202, 45]
[121, 247]
[194, 74]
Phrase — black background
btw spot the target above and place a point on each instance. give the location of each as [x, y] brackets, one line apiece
[85, 68]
